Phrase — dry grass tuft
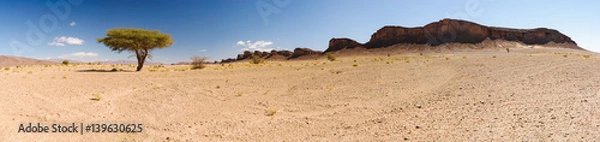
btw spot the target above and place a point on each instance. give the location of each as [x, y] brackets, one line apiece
[271, 112]
[330, 56]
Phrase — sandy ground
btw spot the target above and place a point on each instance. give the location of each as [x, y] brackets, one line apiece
[524, 95]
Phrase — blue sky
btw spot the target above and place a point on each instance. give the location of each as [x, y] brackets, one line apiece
[222, 29]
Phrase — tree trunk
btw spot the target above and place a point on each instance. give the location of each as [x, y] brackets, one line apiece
[141, 57]
[140, 64]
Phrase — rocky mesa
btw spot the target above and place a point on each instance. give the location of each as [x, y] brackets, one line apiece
[452, 31]
[298, 53]
[433, 34]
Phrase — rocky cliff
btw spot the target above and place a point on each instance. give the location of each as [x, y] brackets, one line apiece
[275, 55]
[434, 34]
[451, 31]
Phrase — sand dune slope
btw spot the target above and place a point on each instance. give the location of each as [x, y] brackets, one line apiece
[528, 94]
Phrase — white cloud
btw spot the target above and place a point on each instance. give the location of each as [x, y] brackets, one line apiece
[83, 54]
[241, 43]
[54, 43]
[79, 55]
[255, 46]
[62, 41]
[202, 50]
[72, 23]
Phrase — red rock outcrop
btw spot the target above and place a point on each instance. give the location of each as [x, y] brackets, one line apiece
[298, 52]
[273, 55]
[451, 31]
[341, 43]
[436, 33]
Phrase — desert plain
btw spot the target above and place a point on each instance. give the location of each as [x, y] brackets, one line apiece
[527, 94]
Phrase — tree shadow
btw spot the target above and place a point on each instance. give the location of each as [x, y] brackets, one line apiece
[96, 70]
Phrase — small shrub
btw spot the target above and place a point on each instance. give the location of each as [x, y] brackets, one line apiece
[256, 59]
[330, 56]
[355, 65]
[271, 112]
[464, 57]
[218, 87]
[198, 62]
[239, 94]
[447, 58]
[565, 56]
[64, 77]
[494, 56]
[97, 97]
[586, 56]
[65, 62]
[6, 68]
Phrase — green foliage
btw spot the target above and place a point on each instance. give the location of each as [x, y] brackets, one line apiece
[65, 62]
[330, 56]
[138, 41]
[256, 59]
[97, 97]
[198, 62]
[355, 65]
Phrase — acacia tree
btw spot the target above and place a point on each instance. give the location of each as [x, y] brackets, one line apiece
[138, 41]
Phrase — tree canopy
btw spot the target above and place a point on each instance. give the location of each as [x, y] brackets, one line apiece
[138, 41]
